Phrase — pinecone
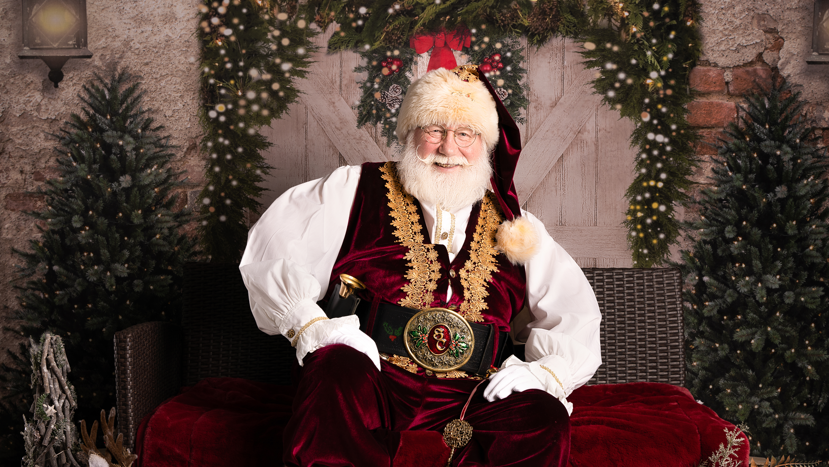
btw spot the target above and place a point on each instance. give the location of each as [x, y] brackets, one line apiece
[289, 7]
[502, 93]
[545, 17]
[691, 12]
[323, 19]
[392, 98]
[505, 19]
[392, 35]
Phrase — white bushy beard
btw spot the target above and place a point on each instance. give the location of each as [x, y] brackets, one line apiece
[452, 191]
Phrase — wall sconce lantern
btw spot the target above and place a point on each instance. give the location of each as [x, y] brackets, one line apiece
[54, 31]
[820, 33]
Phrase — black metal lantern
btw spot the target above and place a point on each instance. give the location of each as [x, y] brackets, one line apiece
[820, 33]
[54, 31]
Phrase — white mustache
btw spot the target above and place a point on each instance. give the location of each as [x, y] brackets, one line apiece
[445, 160]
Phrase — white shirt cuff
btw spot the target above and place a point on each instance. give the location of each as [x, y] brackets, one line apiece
[550, 373]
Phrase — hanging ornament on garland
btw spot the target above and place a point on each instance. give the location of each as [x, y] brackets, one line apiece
[391, 66]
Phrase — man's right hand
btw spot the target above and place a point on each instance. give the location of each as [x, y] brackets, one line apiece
[344, 330]
[356, 339]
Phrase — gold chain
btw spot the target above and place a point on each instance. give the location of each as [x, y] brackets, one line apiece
[554, 375]
[304, 327]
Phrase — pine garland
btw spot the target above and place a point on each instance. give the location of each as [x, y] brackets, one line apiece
[252, 50]
[644, 59]
[644, 51]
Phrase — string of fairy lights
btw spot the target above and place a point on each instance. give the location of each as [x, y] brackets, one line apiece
[643, 61]
[253, 50]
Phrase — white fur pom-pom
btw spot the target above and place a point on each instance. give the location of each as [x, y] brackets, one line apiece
[518, 240]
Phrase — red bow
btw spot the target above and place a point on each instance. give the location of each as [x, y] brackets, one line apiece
[443, 41]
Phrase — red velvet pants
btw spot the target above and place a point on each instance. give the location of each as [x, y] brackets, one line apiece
[346, 413]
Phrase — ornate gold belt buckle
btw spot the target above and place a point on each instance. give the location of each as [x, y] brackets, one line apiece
[439, 339]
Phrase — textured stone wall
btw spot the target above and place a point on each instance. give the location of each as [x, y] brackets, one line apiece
[153, 38]
[745, 43]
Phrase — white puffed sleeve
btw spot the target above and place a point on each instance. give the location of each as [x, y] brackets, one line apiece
[292, 249]
[563, 338]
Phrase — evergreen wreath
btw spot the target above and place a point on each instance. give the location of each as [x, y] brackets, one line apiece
[384, 87]
[644, 51]
[389, 76]
[503, 54]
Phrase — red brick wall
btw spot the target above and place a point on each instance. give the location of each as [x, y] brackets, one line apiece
[720, 91]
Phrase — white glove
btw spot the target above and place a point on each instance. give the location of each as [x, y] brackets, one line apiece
[511, 379]
[354, 338]
[323, 331]
[545, 374]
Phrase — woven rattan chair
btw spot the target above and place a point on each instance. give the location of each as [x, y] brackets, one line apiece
[641, 338]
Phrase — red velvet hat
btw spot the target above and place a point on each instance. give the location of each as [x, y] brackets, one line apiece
[465, 96]
[516, 236]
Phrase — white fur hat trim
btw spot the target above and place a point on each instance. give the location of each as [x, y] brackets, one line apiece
[517, 239]
[440, 97]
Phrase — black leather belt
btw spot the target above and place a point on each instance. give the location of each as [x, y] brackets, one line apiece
[436, 340]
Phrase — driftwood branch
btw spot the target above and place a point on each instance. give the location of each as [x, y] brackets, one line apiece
[60, 378]
[43, 370]
[50, 434]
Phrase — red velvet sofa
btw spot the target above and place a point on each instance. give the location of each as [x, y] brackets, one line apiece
[202, 394]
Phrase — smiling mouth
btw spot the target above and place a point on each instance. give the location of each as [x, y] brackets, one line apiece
[446, 166]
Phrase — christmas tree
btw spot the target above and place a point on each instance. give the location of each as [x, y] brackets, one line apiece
[757, 312]
[110, 254]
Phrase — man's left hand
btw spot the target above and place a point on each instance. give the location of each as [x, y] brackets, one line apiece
[515, 378]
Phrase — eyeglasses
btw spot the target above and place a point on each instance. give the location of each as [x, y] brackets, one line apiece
[434, 134]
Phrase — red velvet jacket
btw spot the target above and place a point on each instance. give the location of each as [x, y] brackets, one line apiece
[385, 247]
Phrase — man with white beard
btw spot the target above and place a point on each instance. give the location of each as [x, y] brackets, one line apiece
[419, 374]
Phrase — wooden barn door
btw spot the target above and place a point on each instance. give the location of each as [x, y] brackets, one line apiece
[573, 173]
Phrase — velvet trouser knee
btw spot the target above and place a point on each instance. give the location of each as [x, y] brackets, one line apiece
[346, 413]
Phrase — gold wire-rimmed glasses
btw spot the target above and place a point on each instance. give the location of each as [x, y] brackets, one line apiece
[434, 134]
